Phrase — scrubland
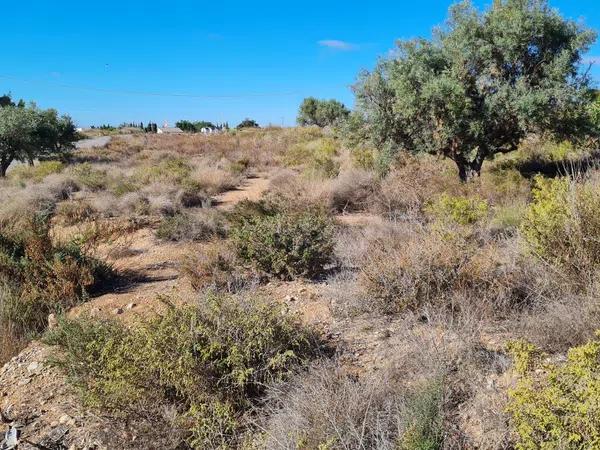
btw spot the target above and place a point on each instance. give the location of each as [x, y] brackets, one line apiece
[448, 314]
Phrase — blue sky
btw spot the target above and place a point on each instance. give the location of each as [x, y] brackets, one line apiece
[211, 61]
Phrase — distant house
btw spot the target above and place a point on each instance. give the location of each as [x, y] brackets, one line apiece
[169, 130]
[210, 130]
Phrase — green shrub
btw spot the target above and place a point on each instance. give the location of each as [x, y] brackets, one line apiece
[38, 172]
[211, 363]
[547, 216]
[556, 405]
[316, 156]
[174, 170]
[364, 157]
[287, 245]
[562, 223]
[461, 210]
[93, 179]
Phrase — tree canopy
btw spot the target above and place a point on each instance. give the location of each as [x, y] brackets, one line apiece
[194, 127]
[322, 113]
[248, 123]
[28, 133]
[481, 84]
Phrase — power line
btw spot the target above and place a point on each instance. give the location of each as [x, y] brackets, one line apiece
[152, 94]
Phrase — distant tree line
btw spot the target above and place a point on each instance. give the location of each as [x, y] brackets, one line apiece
[28, 133]
[196, 127]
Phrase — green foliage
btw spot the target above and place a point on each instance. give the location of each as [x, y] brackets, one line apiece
[481, 84]
[562, 223]
[548, 216]
[321, 112]
[556, 405]
[91, 178]
[364, 157]
[174, 170]
[248, 123]
[287, 245]
[425, 429]
[194, 127]
[28, 133]
[461, 210]
[317, 156]
[38, 172]
[211, 362]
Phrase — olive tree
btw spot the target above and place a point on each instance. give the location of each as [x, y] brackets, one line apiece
[322, 113]
[28, 133]
[481, 84]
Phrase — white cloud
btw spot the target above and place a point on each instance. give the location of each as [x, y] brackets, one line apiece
[338, 45]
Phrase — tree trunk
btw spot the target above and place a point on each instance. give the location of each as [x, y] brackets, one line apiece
[469, 170]
[3, 168]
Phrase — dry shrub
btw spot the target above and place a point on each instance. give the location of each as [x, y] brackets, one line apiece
[352, 190]
[562, 322]
[39, 277]
[329, 409]
[214, 180]
[416, 181]
[201, 226]
[74, 211]
[217, 268]
[37, 172]
[437, 265]
[290, 191]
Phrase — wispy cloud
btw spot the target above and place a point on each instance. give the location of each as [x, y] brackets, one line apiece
[591, 60]
[341, 46]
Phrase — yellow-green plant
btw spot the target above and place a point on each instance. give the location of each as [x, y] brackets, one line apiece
[562, 223]
[556, 405]
[461, 210]
[37, 172]
[210, 363]
[316, 156]
[548, 215]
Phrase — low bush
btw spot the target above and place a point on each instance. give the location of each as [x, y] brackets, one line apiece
[328, 409]
[74, 212]
[460, 210]
[217, 268]
[352, 190]
[169, 170]
[440, 266]
[317, 157]
[209, 363]
[562, 224]
[556, 405]
[201, 226]
[287, 245]
[38, 278]
[90, 177]
[37, 172]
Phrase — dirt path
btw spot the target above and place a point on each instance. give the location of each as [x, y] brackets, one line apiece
[252, 189]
